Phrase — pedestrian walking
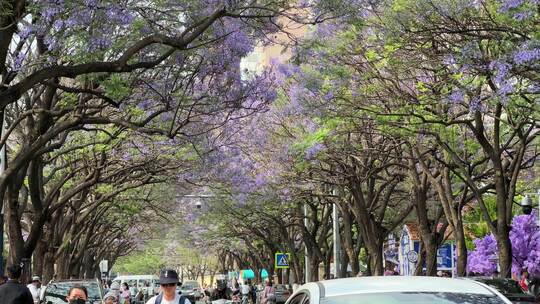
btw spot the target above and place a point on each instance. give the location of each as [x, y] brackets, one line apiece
[77, 295]
[168, 280]
[252, 292]
[524, 281]
[125, 294]
[115, 289]
[34, 288]
[110, 298]
[13, 292]
[268, 294]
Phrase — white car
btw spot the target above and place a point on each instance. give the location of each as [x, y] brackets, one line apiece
[397, 290]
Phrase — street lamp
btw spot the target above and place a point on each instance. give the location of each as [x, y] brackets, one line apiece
[198, 203]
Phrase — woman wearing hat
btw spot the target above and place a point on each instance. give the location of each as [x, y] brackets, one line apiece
[110, 298]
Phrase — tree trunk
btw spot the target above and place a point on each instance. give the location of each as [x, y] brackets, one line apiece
[344, 264]
[376, 259]
[431, 256]
[419, 270]
[505, 251]
[461, 249]
[39, 258]
[314, 263]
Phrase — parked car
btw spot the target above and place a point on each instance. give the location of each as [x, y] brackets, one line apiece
[56, 291]
[509, 288]
[191, 290]
[397, 290]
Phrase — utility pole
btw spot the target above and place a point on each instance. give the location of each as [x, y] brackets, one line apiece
[3, 159]
[337, 240]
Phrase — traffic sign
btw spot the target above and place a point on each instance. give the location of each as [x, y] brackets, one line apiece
[282, 260]
[104, 266]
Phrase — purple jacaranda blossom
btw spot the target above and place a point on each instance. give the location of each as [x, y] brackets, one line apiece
[525, 239]
[51, 42]
[304, 3]
[25, 32]
[92, 4]
[145, 104]
[449, 60]
[287, 70]
[475, 105]
[120, 15]
[310, 125]
[527, 56]
[328, 30]
[533, 88]
[329, 95]
[58, 24]
[520, 16]
[167, 116]
[471, 51]
[99, 43]
[483, 260]
[510, 4]
[19, 60]
[505, 88]
[50, 13]
[79, 18]
[501, 70]
[457, 96]
[126, 157]
[260, 180]
[312, 151]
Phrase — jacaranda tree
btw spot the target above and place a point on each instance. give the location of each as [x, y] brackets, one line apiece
[525, 240]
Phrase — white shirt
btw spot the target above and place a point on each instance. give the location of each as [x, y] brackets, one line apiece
[163, 301]
[34, 291]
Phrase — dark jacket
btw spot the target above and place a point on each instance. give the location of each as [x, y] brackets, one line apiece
[13, 292]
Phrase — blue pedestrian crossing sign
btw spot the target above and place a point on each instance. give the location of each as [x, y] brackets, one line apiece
[282, 260]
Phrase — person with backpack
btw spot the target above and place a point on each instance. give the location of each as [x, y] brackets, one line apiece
[168, 279]
[268, 294]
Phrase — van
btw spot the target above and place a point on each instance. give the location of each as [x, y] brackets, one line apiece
[148, 283]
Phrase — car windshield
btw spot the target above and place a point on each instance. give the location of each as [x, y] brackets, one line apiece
[189, 285]
[504, 286]
[56, 293]
[413, 298]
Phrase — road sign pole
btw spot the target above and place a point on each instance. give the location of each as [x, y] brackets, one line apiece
[3, 160]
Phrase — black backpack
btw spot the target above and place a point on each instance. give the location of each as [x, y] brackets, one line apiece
[160, 297]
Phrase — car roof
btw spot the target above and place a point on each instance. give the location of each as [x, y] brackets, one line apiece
[134, 277]
[398, 284]
[74, 281]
